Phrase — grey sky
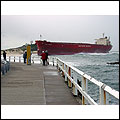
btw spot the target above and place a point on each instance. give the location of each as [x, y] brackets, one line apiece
[17, 30]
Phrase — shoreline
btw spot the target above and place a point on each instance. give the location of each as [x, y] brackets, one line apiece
[8, 53]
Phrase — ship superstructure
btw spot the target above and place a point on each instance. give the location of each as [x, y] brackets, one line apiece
[103, 41]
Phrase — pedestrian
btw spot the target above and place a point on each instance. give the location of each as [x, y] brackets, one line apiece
[43, 57]
[4, 55]
[46, 60]
[25, 56]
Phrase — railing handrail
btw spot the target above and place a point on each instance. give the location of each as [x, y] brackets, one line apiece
[20, 57]
[98, 83]
[101, 85]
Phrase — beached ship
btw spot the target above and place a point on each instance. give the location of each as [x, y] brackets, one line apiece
[102, 45]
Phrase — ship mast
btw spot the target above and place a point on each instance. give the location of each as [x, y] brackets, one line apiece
[40, 36]
[103, 35]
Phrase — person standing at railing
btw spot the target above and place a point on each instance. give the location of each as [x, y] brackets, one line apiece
[43, 57]
[4, 55]
[25, 56]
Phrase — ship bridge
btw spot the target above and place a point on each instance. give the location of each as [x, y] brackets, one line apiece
[103, 41]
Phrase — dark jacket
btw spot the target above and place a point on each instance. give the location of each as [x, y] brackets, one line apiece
[25, 55]
[4, 55]
[46, 55]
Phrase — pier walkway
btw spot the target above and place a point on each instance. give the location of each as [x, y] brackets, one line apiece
[35, 85]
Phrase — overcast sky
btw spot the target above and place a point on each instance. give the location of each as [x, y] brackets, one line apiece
[63, 21]
[20, 29]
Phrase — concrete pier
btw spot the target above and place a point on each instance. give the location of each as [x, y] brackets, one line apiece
[35, 85]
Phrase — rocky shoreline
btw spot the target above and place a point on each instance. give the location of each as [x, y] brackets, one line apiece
[20, 50]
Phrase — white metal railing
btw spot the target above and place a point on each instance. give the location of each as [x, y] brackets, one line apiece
[34, 59]
[71, 76]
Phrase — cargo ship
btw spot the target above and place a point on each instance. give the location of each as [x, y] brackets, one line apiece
[102, 45]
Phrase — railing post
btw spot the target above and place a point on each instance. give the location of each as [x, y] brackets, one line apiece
[79, 83]
[69, 73]
[40, 61]
[33, 60]
[9, 58]
[66, 70]
[53, 61]
[103, 96]
[57, 63]
[75, 91]
[19, 59]
[14, 58]
[63, 69]
[8, 65]
[84, 88]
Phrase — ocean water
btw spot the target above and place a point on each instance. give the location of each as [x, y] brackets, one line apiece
[95, 65]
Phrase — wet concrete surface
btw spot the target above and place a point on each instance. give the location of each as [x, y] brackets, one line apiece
[35, 85]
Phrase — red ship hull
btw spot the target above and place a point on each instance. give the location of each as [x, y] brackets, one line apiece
[59, 48]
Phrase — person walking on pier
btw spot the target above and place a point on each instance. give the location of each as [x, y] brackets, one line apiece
[25, 56]
[43, 57]
[4, 55]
